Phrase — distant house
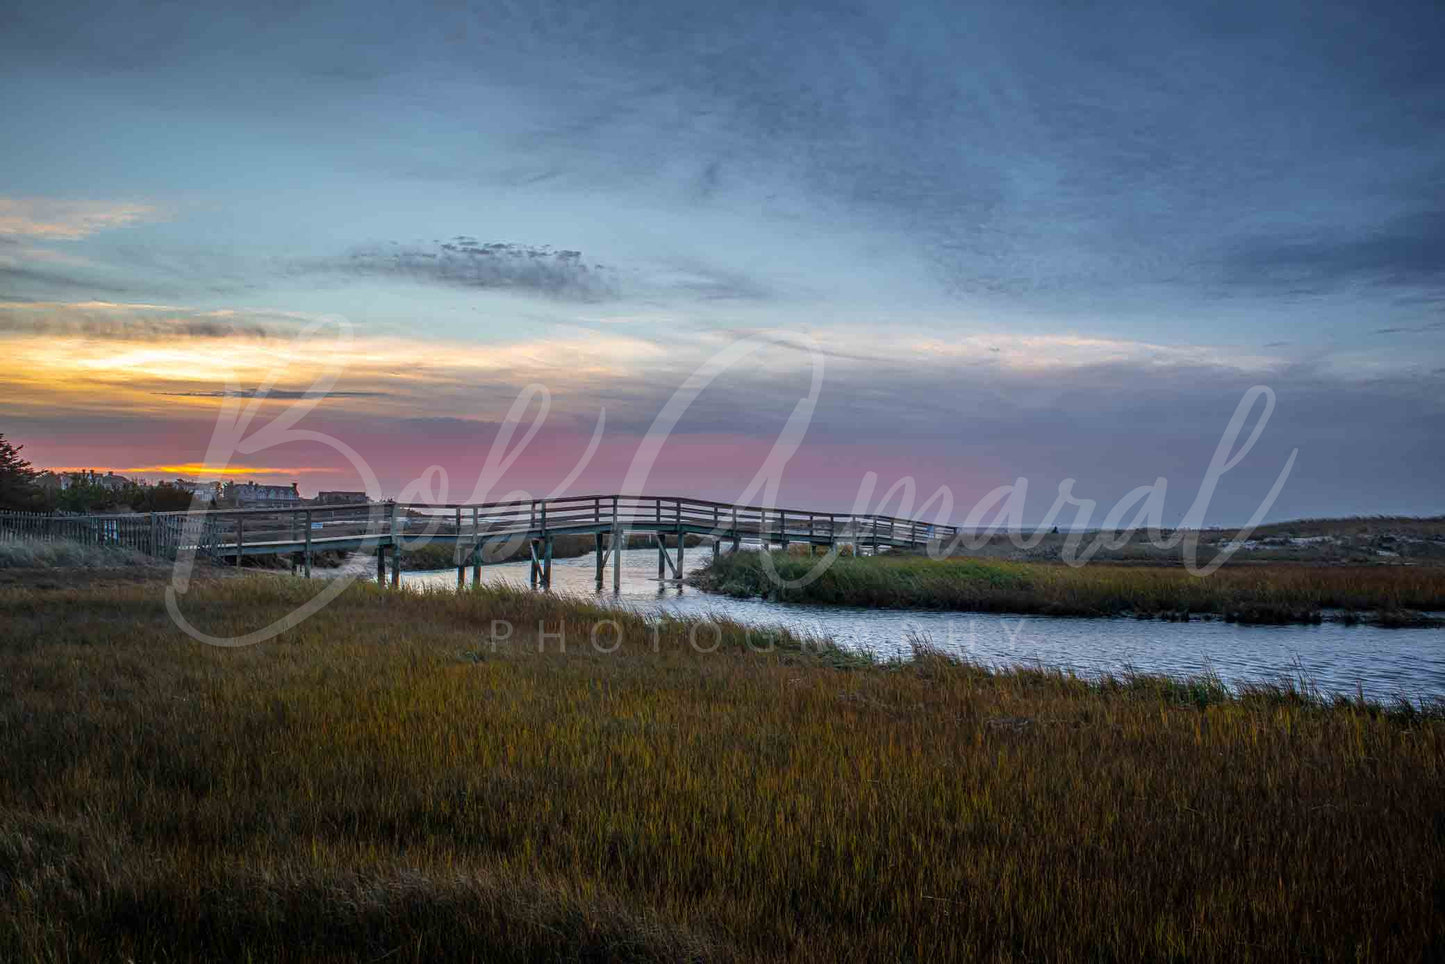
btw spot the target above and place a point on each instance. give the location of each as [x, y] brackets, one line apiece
[204, 491]
[109, 481]
[340, 498]
[52, 482]
[258, 494]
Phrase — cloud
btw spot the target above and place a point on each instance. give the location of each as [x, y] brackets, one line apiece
[201, 468]
[137, 322]
[276, 393]
[708, 283]
[1406, 252]
[468, 263]
[68, 220]
[1412, 329]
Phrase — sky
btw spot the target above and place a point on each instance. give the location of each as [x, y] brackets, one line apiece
[988, 241]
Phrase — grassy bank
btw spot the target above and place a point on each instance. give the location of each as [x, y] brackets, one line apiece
[381, 782]
[1256, 593]
[1360, 540]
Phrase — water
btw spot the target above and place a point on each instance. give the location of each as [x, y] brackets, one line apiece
[1384, 663]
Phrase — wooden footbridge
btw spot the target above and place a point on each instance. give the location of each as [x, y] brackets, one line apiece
[387, 528]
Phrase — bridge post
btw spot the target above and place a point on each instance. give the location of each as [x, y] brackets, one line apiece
[476, 550]
[532, 569]
[616, 548]
[395, 546]
[240, 538]
[661, 556]
[380, 564]
[457, 550]
[601, 559]
[547, 564]
[308, 544]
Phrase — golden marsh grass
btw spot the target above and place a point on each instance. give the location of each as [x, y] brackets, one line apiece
[381, 784]
[1265, 592]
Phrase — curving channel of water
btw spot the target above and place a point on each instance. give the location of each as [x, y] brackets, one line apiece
[1384, 663]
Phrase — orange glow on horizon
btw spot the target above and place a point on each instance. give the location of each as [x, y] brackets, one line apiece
[192, 469]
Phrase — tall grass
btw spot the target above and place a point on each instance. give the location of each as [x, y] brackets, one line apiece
[384, 783]
[1254, 593]
[60, 553]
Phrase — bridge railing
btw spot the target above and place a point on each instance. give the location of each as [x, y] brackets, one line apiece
[661, 513]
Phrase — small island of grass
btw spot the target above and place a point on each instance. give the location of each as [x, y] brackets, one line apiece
[1250, 593]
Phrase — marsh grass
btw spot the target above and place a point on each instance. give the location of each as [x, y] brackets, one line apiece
[384, 783]
[61, 553]
[1264, 593]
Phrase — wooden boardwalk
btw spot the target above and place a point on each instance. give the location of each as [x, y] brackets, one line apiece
[387, 528]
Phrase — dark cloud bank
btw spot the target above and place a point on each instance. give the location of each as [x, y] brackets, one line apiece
[468, 263]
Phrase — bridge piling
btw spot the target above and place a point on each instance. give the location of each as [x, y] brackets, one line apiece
[395, 545]
[616, 548]
[476, 550]
[457, 552]
[601, 559]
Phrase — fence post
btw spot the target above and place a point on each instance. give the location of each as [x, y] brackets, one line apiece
[240, 538]
[308, 544]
